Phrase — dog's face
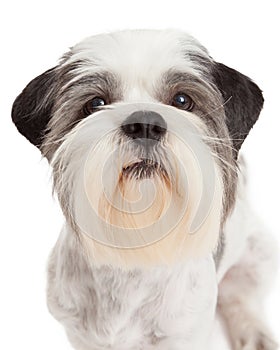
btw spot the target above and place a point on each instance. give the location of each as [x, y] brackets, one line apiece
[143, 130]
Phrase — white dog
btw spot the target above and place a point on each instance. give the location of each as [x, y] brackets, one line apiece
[143, 131]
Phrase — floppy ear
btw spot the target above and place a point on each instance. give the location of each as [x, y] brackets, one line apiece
[243, 102]
[32, 109]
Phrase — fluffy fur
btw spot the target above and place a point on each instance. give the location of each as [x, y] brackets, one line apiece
[153, 225]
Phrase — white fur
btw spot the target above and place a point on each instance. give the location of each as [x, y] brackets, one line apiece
[174, 305]
[133, 55]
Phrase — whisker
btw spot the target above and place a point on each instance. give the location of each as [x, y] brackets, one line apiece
[218, 108]
[225, 162]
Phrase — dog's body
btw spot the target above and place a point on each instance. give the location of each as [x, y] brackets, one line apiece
[150, 112]
[166, 307]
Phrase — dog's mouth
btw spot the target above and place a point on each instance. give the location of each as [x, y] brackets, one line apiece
[143, 168]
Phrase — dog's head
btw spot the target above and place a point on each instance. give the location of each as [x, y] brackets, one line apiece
[143, 130]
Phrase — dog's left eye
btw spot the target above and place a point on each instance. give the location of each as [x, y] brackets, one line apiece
[183, 101]
[92, 105]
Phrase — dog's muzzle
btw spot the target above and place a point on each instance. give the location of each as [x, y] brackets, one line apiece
[136, 172]
[146, 129]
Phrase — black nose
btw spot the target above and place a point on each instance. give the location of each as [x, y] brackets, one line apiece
[144, 125]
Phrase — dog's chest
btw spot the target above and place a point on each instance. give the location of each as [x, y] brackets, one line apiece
[126, 309]
[111, 308]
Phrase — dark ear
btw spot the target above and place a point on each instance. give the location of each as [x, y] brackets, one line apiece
[32, 109]
[243, 102]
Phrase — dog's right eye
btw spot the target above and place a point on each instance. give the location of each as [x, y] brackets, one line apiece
[92, 105]
[183, 101]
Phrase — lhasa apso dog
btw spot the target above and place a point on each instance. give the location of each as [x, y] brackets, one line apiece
[143, 130]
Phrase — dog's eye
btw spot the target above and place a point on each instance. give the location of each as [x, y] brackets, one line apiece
[92, 105]
[182, 101]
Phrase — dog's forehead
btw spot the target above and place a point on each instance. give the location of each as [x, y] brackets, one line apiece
[139, 52]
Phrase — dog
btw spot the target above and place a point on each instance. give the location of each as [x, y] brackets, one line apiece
[143, 130]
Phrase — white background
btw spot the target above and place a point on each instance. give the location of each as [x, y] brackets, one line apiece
[34, 34]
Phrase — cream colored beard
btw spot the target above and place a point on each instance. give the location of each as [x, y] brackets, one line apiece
[166, 201]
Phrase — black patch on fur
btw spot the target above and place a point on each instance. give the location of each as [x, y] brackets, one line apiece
[243, 102]
[32, 109]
